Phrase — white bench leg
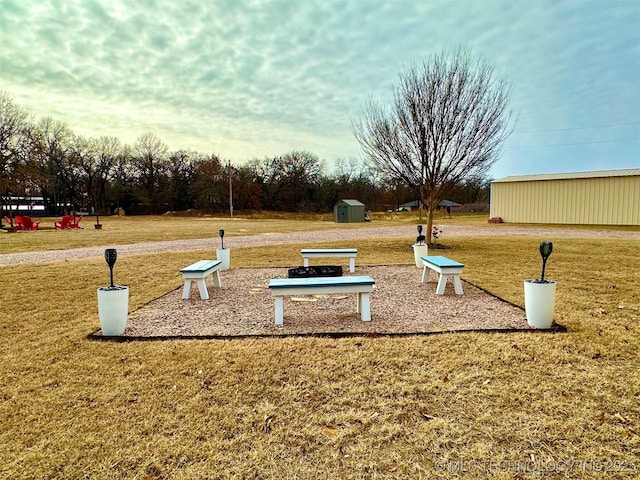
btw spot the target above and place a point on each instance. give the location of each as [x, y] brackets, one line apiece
[279, 310]
[457, 285]
[352, 264]
[364, 306]
[442, 282]
[425, 274]
[216, 279]
[186, 291]
[204, 295]
[305, 261]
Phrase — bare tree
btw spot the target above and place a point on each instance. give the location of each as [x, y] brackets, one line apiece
[12, 129]
[50, 161]
[151, 167]
[108, 151]
[209, 187]
[181, 169]
[447, 123]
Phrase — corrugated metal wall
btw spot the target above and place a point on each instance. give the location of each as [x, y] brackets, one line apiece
[585, 201]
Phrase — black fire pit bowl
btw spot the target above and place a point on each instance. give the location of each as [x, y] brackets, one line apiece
[320, 271]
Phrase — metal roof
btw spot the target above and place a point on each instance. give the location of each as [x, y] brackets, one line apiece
[629, 172]
[449, 203]
[353, 203]
[443, 203]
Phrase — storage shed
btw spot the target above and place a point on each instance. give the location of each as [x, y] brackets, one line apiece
[348, 211]
[608, 197]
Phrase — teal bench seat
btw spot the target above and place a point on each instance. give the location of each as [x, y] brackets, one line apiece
[362, 285]
[445, 268]
[308, 253]
[198, 272]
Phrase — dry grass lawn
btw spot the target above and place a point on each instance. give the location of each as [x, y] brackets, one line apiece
[522, 405]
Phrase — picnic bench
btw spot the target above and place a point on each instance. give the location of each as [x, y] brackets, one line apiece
[308, 253]
[198, 272]
[362, 285]
[445, 267]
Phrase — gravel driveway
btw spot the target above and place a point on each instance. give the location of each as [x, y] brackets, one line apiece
[407, 231]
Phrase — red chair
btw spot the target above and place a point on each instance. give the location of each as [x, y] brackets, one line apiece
[64, 223]
[19, 224]
[76, 223]
[29, 224]
[13, 223]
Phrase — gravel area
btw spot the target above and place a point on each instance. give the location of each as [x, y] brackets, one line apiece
[400, 304]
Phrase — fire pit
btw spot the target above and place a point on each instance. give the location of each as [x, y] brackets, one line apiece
[319, 271]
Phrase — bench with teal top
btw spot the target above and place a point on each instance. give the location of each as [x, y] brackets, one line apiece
[198, 272]
[308, 253]
[362, 285]
[445, 267]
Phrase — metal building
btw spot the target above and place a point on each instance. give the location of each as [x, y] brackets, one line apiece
[608, 197]
[348, 211]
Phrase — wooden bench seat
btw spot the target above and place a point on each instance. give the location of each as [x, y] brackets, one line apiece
[445, 267]
[198, 272]
[362, 285]
[308, 253]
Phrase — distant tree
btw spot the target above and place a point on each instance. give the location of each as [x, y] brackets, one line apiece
[83, 160]
[287, 181]
[475, 189]
[50, 161]
[151, 169]
[181, 170]
[300, 173]
[13, 120]
[122, 181]
[246, 192]
[448, 122]
[108, 152]
[210, 187]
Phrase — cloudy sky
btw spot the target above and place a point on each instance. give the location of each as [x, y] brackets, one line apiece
[256, 78]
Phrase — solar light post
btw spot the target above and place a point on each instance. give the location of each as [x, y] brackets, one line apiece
[545, 252]
[110, 256]
[113, 301]
[540, 294]
[420, 238]
[420, 249]
[223, 254]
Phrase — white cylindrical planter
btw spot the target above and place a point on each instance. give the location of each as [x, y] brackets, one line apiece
[419, 250]
[539, 302]
[113, 308]
[224, 254]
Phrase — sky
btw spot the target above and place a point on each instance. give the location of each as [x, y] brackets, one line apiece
[253, 78]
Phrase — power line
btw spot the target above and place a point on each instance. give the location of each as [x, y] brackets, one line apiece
[580, 128]
[569, 144]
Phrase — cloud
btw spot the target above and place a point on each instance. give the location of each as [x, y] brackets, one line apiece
[256, 78]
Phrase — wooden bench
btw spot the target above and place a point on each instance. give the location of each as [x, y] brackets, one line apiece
[445, 268]
[308, 253]
[362, 285]
[197, 272]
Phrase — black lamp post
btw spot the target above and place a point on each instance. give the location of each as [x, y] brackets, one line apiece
[221, 233]
[545, 251]
[420, 238]
[111, 255]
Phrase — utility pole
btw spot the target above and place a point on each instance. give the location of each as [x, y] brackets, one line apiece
[230, 190]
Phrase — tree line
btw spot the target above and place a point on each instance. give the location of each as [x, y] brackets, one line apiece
[45, 158]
